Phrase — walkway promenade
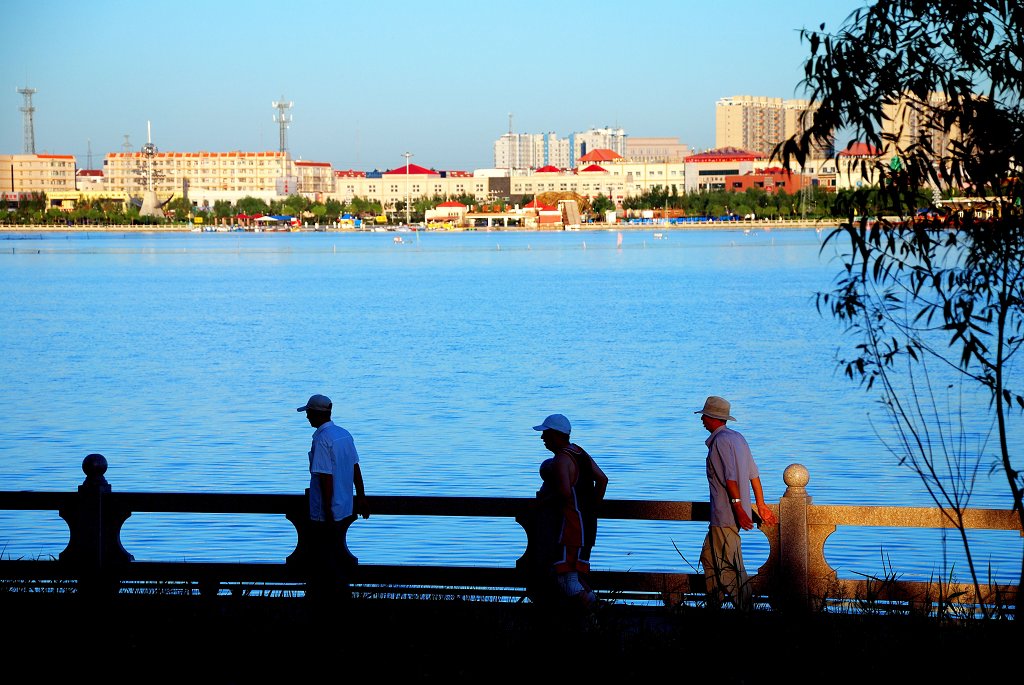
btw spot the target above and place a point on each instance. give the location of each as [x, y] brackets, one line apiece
[96, 614]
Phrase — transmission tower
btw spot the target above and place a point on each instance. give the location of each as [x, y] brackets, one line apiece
[127, 144]
[28, 110]
[283, 119]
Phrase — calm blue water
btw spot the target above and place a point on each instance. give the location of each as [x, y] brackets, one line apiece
[182, 357]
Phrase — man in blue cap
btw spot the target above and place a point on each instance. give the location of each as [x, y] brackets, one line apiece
[333, 472]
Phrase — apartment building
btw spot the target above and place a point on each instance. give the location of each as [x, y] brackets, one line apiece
[527, 151]
[520, 151]
[234, 174]
[758, 123]
[912, 121]
[656, 150]
[37, 173]
[314, 179]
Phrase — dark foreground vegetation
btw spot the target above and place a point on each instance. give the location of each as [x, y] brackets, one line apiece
[156, 639]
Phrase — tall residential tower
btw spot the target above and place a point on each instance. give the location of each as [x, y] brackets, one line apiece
[758, 123]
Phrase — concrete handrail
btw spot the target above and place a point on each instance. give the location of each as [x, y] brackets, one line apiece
[796, 574]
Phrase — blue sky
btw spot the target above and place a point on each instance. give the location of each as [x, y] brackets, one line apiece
[370, 81]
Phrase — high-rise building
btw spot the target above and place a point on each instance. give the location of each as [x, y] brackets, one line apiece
[518, 151]
[758, 123]
[525, 151]
[914, 122]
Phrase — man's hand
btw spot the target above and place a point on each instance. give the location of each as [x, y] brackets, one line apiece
[362, 507]
[742, 517]
[767, 515]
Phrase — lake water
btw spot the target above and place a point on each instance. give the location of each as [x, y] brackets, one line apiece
[181, 358]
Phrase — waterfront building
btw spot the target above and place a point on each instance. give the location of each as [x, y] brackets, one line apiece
[37, 173]
[759, 123]
[314, 179]
[213, 175]
[708, 170]
[396, 185]
[26, 175]
[771, 180]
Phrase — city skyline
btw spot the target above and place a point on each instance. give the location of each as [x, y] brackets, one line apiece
[371, 83]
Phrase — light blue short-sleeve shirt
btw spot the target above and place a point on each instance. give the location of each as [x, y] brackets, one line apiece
[333, 452]
[729, 458]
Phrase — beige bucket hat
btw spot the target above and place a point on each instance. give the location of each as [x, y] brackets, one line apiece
[716, 408]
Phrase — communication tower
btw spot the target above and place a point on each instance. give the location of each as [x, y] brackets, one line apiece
[283, 119]
[28, 110]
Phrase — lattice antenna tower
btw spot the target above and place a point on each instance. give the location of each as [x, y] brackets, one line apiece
[127, 144]
[282, 118]
[28, 110]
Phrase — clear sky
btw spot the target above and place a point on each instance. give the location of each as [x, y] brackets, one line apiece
[373, 80]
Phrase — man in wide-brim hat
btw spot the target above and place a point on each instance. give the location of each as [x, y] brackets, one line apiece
[732, 473]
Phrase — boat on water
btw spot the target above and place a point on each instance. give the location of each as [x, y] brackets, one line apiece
[398, 239]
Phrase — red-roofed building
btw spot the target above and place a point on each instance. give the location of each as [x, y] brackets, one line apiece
[708, 170]
[549, 169]
[37, 173]
[411, 170]
[534, 204]
[314, 178]
[593, 168]
[860, 165]
[447, 215]
[859, 149]
[601, 155]
[89, 180]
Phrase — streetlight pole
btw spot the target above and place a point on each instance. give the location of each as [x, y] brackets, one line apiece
[407, 155]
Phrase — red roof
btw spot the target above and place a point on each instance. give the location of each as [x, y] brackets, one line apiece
[859, 150]
[452, 203]
[413, 170]
[90, 172]
[601, 155]
[548, 170]
[312, 164]
[349, 173]
[537, 205]
[595, 167]
[725, 154]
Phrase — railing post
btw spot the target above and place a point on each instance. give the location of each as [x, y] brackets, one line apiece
[304, 552]
[94, 546]
[794, 539]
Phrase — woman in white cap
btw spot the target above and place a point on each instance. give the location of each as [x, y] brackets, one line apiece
[572, 486]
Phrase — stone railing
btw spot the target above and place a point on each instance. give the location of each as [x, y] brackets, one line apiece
[795, 576]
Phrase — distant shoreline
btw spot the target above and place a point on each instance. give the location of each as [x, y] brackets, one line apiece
[181, 228]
